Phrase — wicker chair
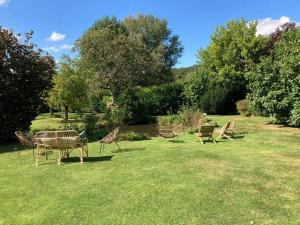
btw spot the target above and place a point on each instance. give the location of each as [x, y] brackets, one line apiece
[25, 140]
[205, 131]
[225, 132]
[110, 138]
[167, 132]
[63, 141]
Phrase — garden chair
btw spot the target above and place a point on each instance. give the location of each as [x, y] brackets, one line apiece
[110, 138]
[231, 128]
[25, 140]
[226, 131]
[167, 132]
[63, 141]
[205, 132]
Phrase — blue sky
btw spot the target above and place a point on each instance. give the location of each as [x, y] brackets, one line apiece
[194, 21]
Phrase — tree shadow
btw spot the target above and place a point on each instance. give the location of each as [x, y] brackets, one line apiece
[176, 141]
[13, 148]
[127, 150]
[90, 159]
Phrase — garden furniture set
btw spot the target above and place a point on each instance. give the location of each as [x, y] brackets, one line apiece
[66, 141]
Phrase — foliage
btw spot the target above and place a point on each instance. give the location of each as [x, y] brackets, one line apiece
[144, 103]
[70, 88]
[275, 81]
[90, 123]
[119, 115]
[119, 55]
[25, 74]
[180, 74]
[294, 119]
[219, 81]
[190, 117]
[169, 120]
[162, 99]
[243, 107]
[133, 136]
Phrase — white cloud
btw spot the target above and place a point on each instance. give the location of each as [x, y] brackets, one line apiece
[3, 2]
[55, 36]
[65, 47]
[268, 25]
[56, 49]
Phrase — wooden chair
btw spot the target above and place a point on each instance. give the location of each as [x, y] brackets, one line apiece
[63, 141]
[231, 128]
[110, 138]
[205, 131]
[225, 132]
[25, 140]
[167, 132]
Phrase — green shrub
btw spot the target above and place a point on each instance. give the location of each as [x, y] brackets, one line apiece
[64, 126]
[133, 136]
[90, 121]
[144, 103]
[295, 116]
[169, 120]
[190, 117]
[243, 107]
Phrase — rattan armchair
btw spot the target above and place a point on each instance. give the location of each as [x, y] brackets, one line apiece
[110, 138]
[25, 140]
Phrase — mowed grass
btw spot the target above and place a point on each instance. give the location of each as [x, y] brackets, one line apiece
[45, 122]
[254, 179]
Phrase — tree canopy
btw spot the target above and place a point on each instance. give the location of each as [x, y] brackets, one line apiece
[220, 78]
[119, 55]
[25, 74]
[275, 81]
[70, 88]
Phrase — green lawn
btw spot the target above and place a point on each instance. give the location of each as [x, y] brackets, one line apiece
[253, 179]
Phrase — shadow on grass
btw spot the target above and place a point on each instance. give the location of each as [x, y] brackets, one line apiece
[13, 148]
[176, 141]
[127, 150]
[239, 136]
[91, 159]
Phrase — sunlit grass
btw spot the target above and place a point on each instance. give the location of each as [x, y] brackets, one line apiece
[254, 178]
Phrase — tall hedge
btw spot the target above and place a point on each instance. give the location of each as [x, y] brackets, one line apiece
[144, 103]
[25, 74]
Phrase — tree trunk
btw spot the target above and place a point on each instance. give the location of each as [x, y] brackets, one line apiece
[51, 112]
[66, 113]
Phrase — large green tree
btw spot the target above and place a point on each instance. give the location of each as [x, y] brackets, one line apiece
[119, 55]
[275, 81]
[25, 75]
[70, 88]
[220, 78]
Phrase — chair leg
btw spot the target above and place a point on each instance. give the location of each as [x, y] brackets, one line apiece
[59, 157]
[213, 140]
[46, 153]
[87, 151]
[117, 145]
[201, 140]
[227, 137]
[37, 156]
[81, 155]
